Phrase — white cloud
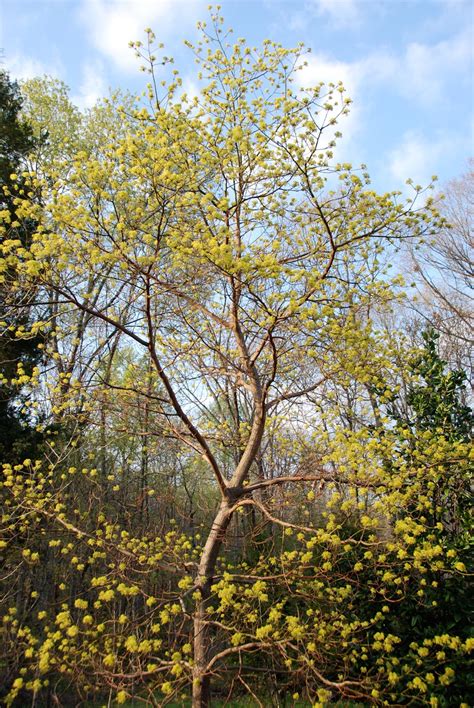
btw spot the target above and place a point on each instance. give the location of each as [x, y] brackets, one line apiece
[22, 67]
[354, 75]
[112, 24]
[191, 88]
[424, 68]
[321, 68]
[92, 87]
[421, 72]
[340, 12]
[417, 157]
[374, 68]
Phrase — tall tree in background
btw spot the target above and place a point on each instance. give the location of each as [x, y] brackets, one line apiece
[443, 269]
[18, 355]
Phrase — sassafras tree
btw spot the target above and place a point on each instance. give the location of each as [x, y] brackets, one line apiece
[217, 238]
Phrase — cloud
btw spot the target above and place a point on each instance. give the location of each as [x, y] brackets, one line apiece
[320, 67]
[340, 13]
[424, 69]
[421, 72]
[190, 87]
[92, 87]
[22, 67]
[355, 77]
[418, 158]
[372, 69]
[112, 24]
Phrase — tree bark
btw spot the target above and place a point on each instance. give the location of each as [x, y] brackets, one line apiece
[202, 631]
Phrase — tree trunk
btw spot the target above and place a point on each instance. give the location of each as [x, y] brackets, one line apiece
[201, 680]
[202, 631]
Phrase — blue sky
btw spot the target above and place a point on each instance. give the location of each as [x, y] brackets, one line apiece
[407, 64]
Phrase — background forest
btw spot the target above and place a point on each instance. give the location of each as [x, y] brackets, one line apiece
[235, 425]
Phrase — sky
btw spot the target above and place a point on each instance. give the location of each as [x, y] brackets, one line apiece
[407, 64]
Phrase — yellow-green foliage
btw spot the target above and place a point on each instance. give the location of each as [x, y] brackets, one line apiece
[206, 274]
[326, 605]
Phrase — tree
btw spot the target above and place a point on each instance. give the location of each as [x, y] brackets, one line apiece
[18, 355]
[204, 236]
[57, 125]
[17, 138]
[443, 270]
[435, 404]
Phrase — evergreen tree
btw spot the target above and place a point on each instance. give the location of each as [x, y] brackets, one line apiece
[17, 437]
[437, 399]
[438, 419]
